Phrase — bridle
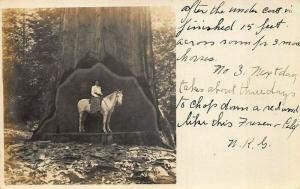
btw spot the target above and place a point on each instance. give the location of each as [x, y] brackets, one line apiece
[117, 96]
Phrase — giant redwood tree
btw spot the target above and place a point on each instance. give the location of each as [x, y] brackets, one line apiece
[114, 46]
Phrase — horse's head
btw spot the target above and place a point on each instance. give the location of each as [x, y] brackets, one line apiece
[119, 96]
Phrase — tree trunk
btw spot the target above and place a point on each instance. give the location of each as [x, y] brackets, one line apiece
[114, 46]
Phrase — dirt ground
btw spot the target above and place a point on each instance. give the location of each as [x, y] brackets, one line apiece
[45, 162]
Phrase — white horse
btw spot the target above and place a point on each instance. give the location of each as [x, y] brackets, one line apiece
[106, 109]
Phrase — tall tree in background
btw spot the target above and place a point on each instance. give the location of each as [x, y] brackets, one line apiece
[30, 47]
[165, 60]
[16, 45]
[46, 52]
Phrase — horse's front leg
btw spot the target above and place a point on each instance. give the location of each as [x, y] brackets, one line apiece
[104, 122]
[108, 121]
[80, 117]
[84, 114]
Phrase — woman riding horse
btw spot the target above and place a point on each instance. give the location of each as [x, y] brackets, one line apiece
[96, 97]
[106, 109]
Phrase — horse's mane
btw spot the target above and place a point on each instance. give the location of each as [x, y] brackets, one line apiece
[111, 95]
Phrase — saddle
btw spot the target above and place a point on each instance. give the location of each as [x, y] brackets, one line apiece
[95, 103]
[90, 100]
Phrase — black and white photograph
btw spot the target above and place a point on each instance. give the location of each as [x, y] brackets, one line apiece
[89, 95]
